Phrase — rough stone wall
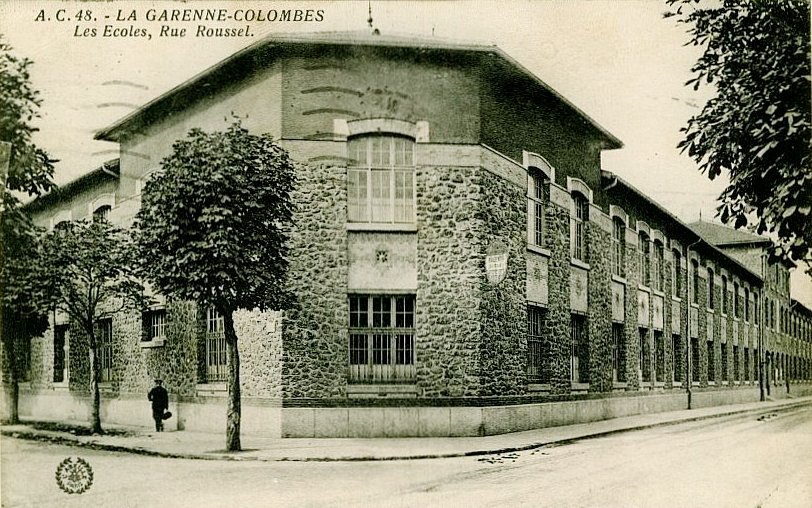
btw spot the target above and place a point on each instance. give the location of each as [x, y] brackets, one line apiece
[702, 327]
[631, 326]
[260, 342]
[79, 360]
[557, 326]
[42, 360]
[176, 362]
[450, 273]
[314, 337]
[599, 250]
[503, 308]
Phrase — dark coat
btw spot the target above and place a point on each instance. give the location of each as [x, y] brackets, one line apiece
[159, 397]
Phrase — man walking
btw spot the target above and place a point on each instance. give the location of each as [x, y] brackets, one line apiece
[160, 403]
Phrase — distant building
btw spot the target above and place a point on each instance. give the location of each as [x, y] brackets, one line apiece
[459, 260]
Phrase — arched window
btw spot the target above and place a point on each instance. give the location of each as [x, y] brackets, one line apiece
[380, 176]
[579, 219]
[618, 246]
[644, 259]
[102, 213]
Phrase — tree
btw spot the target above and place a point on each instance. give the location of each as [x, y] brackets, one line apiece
[213, 229]
[27, 169]
[87, 270]
[757, 127]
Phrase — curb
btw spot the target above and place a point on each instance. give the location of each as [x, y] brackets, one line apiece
[75, 441]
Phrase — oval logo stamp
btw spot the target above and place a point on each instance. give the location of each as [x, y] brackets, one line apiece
[74, 475]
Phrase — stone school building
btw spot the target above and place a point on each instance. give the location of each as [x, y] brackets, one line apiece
[462, 264]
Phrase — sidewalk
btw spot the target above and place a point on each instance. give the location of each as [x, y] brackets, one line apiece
[197, 445]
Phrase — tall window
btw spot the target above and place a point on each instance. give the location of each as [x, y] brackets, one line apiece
[676, 276]
[154, 323]
[538, 349]
[60, 336]
[644, 252]
[618, 353]
[382, 338]
[101, 213]
[657, 266]
[746, 375]
[579, 219]
[580, 349]
[711, 362]
[381, 179]
[645, 355]
[711, 289]
[618, 246]
[724, 294]
[724, 361]
[746, 305]
[736, 299]
[538, 201]
[694, 359]
[105, 338]
[736, 372]
[694, 281]
[215, 347]
[659, 356]
[677, 363]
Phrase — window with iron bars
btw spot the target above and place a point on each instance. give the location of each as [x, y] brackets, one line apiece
[381, 338]
[538, 349]
[154, 323]
[381, 182]
[618, 352]
[579, 219]
[579, 358]
[215, 353]
[105, 338]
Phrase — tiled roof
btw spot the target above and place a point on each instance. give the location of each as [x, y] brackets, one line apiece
[720, 235]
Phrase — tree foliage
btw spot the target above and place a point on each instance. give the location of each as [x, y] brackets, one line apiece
[30, 168]
[30, 171]
[88, 271]
[212, 223]
[213, 229]
[757, 127]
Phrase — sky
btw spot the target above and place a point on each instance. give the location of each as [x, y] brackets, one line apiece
[619, 61]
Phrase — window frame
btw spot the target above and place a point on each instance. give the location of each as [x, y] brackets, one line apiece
[388, 353]
[538, 347]
[618, 247]
[580, 217]
[362, 209]
[106, 350]
[152, 331]
[538, 197]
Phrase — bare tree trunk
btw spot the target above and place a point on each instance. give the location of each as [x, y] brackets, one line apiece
[95, 413]
[11, 366]
[234, 409]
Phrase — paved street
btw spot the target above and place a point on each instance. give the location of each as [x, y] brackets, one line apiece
[737, 461]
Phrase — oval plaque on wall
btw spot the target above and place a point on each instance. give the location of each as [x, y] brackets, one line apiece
[496, 261]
